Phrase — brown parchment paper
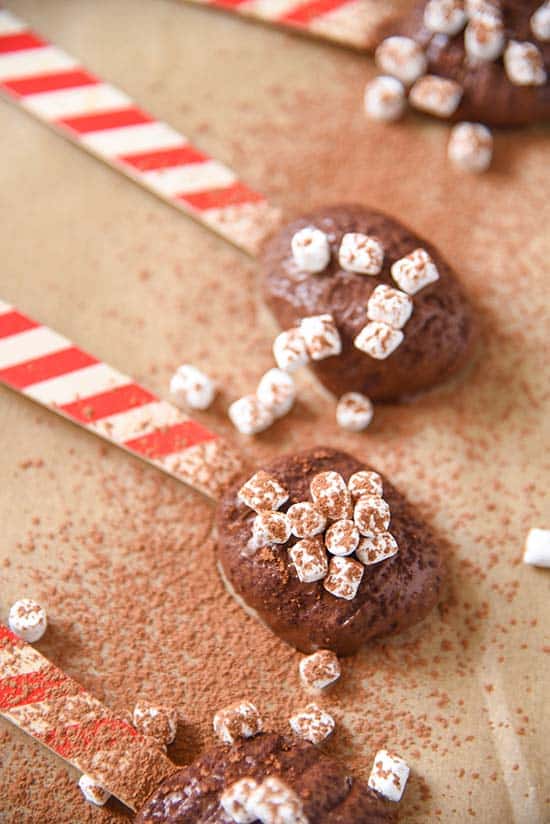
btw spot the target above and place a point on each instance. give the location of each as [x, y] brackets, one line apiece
[121, 556]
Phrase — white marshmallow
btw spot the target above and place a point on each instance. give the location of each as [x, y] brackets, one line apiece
[378, 340]
[365, 482]
[384, 98]
[309, 559]
[241, 720]
[476, 7]
[273, 802]
[319, 670]
[540, 22]
[415, 271]
[270, 528]
[263, 492]
[290, 351]
[436, 95]
[524, 64]
[306, 520]
[92, 791]
[390, 306]
[342, 537]
[361, 253]
[484, 37]
[354, 412]
[276, 392]
[192, 388]
[28, 620]
[156, 722]
[250, 416]
[310, 249]
[401, 57]
[444, 16]
[470, 147]
[313, 724]
[377, 548]
[389, 775]
[371, 515]
[331, 495]
[344, 577]
[236, 799]
[537, 548]
[321, 336]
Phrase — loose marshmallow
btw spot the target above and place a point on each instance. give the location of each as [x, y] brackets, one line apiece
[273, 802]
[471, 147]
[342, 537]
[241, 720]
[540, 22]
[384, 98]
[309, 559]
[444, 16]
[92, 791]
[389, 775]
[250, 416]
[321, 336]
[401, 57]
[313, 724]
[344, 577]
[310, 249]
[484, 38]
[319, 670]
[270, 528]
[276, 392]
[390, 306]
[378, 340]
[290, 351]
[28, 620]
[191, 387]
[415, 271]
[236, 800]
[436, 95]
[365, 482]
[377, 548]
[156, 722]
[524, 64]
[537, 548]
[263, 492]
[306, 520]
[474, 8]
[361, 253]
[371, 515]
[331, 495]
[354, 412]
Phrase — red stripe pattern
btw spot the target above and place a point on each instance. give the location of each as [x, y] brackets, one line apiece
[46, 367]
[11, 323]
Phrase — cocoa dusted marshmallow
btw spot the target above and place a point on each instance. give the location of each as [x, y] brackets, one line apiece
[540, 22]
[342, 537]
[415, 271]
[378, 340]
[444, 16]
[192, 388]
[537, 548]
[28, 620]
[471, 147]
[436, 95]
[361, 253]
[241, 720]
[389, 775]
[344, 577]
[290, 350]
[157, 722]
[276, 392]
[313, 724]
[401, 57]
[319, 670]
[321, 336]
[384, 98]
[310, 249]
[354, 412]
[235, 801]
[390, 306]
[365, 482]
[306, 520]
[270, 528]
[377, 548]
[92, 791]
[250, 416]
[331, 495]
[476, 7]
[273, 802]
[484, 37]
[309, 559]
[263, 492]
[371, 515]
[524, 64]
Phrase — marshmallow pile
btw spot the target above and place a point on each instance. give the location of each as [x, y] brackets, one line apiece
[270, 802]
[274, 398]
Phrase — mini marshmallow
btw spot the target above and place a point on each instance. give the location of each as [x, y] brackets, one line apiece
[312, 723]
[540, 22]
[276, 392]
[371, 515]
[192, 388]
[306, 520]
[365, 482]
[391, 306]
[309, 559]
[361, 253]
[290, 351]
[444, 16]
[236, 799]
[354, 412]
[378, 340]
[319, 670]
[92, 791]
[310, 249]
[377, 548]
[342, 537]
[537, 548]
[484, 37]
[477, 7]
[331, 495]
[241, 720]
[389, 775]
[471, 147]
[250, 416]
[156, 722]
[524, 64]
[270, 528]
[384, 99]
[263, 492]
[415, 271]
[28, 620]
[436, 95]
[344, 577]
[401, 57]
[321, 336]
[273, 802]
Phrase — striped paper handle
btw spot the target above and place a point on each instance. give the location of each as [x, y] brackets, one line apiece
[49, 369]
[100, 118]
[54, 709]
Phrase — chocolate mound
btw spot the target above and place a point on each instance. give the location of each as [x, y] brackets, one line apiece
[393, 594]
[328, 793]
[438, 336]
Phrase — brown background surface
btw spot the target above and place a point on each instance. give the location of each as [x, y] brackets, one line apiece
[121, 556]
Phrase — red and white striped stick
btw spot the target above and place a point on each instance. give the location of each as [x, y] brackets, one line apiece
[100, 118]
[49, 369]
